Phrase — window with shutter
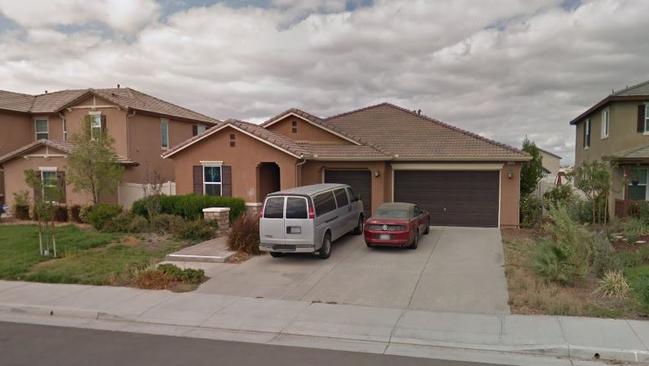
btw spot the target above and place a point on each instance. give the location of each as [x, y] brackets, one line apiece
[643, 118]
[41, 127]
[95, 125]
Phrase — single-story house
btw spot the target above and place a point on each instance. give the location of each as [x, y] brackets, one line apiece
[384, 152]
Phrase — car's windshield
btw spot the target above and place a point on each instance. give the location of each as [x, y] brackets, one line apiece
[391, 213]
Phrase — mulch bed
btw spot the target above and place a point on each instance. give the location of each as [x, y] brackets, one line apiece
[622, 245]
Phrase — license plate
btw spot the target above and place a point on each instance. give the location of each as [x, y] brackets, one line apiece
[294, 230]
[384, 237]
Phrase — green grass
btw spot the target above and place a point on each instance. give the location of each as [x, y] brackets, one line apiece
[86, 256]
[638, 278]
[19, 246]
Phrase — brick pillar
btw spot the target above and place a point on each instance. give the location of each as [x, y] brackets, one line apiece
[222, 217]
[253, 208]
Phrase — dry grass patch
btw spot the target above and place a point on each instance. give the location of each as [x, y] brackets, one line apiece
[530, 294]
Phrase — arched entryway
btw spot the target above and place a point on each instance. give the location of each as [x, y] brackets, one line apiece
[268, 179]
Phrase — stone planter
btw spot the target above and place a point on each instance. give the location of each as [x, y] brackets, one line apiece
[222, 217]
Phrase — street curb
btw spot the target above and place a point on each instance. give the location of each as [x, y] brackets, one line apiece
[551, 350]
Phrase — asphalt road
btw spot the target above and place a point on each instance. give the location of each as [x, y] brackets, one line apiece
[26, 344]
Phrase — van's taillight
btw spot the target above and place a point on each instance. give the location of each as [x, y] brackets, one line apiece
[311, 213]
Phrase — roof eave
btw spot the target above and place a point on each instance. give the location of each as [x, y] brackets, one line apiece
[604, 102]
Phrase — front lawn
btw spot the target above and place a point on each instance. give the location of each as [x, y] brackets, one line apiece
[86, 256]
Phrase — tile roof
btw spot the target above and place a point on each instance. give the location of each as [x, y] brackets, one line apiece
[63, 146]
[126, 98]
[638, 152]
[635, 90]
[407, 135]
[344, 152]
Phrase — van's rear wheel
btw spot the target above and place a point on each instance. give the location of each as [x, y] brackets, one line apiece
[325, 249]
[276, 254]
[358, 230]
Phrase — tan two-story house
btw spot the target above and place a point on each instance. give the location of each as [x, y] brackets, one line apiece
[35, 132]
[616, 129]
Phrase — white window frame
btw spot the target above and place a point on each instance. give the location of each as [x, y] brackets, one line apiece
[587, 132]
[164, 130]
[96, 116]
[50, 170]
[65, 128]
[646, 118]
[47, 125]
[606, 124]
[220, 184]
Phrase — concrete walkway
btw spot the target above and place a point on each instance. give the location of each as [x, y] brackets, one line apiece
[453, 269]
[345, 327]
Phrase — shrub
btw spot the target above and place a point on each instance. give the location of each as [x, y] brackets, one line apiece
[559, 195]
[642, 211]
[604, 259]
[244, 235]
[613, 285]
[194, 230]
[61, 213]
[75, 213]
[83, 213]
[633, 228]
[21, 205]
[190, 206]
[100, 214]
[531, 211]
[153, 279]
[163, 223]
[187, 275]
[565, 255]
[126, 223]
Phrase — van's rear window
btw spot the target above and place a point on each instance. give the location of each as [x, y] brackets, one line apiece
[296, 208]
[274, 208]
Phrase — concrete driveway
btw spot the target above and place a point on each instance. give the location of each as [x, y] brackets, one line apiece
[453, 270]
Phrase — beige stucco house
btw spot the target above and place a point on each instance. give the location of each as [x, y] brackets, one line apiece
[36, 128]
[551, 162]
[616, 129]
[385, 152]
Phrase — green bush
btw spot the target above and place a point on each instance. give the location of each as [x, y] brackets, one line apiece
[83, 214]
[565, 255]
[187, 275]
[61, 213]
[560, 195]
[127, 223]
[194, 230]
[75, 213]
[643, 211]
[100, 214]
[21, 205]
[163, 223]
[633, 228]
[581, 211]
[604, 259]
[244, 235]
[531, 211]
[613, 285]
[190, 206]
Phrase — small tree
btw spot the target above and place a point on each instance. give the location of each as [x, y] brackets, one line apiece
[44, 206]
[594, 179]
[93, 165]
[152, 188]
[531, 171]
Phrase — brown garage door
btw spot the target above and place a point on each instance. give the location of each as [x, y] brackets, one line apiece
[359, 180]
[453, 198]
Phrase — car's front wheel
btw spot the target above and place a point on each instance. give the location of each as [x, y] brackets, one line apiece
[325, 249]
[415, 241]
[427, 230]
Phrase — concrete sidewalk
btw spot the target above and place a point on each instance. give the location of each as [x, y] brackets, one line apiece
[347, 327]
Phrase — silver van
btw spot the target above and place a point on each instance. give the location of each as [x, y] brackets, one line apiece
[308, 219]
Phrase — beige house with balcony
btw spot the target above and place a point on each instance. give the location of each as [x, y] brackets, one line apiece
[616, 129]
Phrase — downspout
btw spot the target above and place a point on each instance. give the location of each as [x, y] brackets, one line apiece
[65, 126]
[298, 180]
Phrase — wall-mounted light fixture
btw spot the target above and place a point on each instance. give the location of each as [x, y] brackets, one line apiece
[509, 169]
[377, 173]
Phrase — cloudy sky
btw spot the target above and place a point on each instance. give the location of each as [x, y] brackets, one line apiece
[501, 68]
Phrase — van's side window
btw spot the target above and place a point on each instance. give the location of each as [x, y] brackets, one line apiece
[324, 202]
[296, 208]
[352, 195]
[274, 208]
[341, 197]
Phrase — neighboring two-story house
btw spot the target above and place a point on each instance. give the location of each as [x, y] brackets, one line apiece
[617, 130]
[35, 129]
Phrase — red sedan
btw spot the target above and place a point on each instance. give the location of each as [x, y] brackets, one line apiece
[397, 225]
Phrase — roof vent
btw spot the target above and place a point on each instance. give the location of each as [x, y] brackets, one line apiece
[117, 86]
[46, 92]
[418, 111]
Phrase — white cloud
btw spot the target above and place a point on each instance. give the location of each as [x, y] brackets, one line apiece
[504, 68]
[121, 15]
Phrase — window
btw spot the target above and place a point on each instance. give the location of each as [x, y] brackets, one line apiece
[164, 133]
[637, 184]
[296, 208]
[605, 123]
[212, 180]
[200, 129]
[587, 126]
[49, 185]
[341, 197]
[324, 202]
[294, 127]
[233, 140]
[274, 208]
[41, 126]
[95, 126]
[65, 128]
[646, 117]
